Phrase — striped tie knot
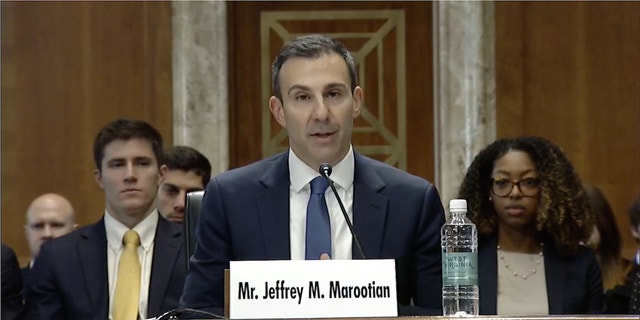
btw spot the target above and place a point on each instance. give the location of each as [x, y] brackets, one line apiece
[319, 185]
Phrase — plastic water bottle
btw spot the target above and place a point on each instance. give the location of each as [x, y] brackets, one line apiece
[460, 294]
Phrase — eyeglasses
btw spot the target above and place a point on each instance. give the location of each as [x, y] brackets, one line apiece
[528, 187]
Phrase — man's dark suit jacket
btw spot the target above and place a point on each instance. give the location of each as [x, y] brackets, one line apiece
[25, 278]
[245, 216]
[11, 286]
[574, 284]
[69, 278]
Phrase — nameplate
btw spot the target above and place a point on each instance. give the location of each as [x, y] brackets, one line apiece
[312, 289]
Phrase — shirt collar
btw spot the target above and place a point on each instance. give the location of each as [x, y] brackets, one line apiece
[300, 174]
[145, 228]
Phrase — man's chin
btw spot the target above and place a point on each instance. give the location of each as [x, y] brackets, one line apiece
[176, 219]
[137, 208]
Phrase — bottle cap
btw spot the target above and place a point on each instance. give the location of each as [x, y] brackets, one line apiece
[458, 205]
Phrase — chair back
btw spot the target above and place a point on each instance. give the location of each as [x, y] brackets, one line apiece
[193, 204]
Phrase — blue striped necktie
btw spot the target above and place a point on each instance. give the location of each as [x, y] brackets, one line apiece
[318, 237]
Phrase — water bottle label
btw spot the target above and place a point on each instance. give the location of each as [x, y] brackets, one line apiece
[459, 268]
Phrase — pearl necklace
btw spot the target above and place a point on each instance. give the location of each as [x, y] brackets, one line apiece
[515, 274]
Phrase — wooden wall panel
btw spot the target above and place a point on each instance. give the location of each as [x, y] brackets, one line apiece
[570, 72]
[245, 97]
[68, 68]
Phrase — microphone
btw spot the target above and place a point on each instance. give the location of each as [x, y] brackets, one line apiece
[325, 170]
[178, 313]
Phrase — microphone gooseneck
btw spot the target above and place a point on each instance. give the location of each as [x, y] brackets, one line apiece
[325, 170]
[178, 313]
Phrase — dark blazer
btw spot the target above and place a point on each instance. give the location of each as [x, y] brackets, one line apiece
[69, 278]
[574, 284]
[618, 299]
[25, 278]
[245, 216]
[11, 286]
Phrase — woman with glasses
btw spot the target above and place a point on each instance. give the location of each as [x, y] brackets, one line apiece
[532, 215]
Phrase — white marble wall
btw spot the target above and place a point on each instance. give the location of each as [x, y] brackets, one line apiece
[200, 86]
[464, 79]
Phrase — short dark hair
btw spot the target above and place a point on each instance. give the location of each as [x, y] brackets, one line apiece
[634, 213]
[188, 159]
[126, 129]
[310, 46]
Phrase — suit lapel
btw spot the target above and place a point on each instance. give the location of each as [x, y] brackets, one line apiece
[273, 208]
[165, 254]
[92, 252]
[555, 275]
[369, 209]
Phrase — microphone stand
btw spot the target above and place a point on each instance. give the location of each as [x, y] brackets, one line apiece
[325, 171]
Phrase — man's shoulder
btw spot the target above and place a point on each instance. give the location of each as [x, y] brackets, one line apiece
[62, 243]
[252, 172]
[392, 176]
[168, 228]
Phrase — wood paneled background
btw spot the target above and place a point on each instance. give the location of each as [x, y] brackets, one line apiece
[568, 71]
[68, 68]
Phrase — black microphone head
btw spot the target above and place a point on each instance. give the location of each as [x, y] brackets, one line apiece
[325, 169]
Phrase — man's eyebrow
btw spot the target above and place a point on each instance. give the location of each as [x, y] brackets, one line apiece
[298, 87]
[334, 85]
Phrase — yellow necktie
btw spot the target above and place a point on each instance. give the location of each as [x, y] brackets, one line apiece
[127, 296]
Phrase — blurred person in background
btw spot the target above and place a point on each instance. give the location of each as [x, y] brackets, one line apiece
[49, 216]
[607, 243]
[633, 278]
[189, 170]
[12, 306]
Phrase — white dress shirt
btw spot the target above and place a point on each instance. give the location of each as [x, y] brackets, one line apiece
[115, 231]
[300, 176]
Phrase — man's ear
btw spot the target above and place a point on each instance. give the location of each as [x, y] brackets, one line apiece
[162, 173]
[97, 177]
[275, 105]
[358, 96]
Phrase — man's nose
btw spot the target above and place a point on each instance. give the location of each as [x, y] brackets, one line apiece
[47, 232]
[178, 203]
[130, 172]
[321, 110]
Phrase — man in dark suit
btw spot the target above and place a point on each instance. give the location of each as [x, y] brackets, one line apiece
[77, 275]
[258, 212]
[11, 286]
